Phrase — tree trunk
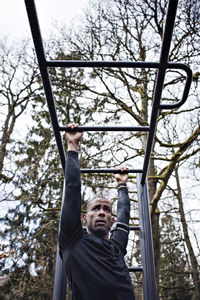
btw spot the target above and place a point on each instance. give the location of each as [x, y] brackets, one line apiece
[7, 131]
[193, 260]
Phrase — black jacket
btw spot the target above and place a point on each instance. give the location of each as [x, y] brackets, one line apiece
[95, 267]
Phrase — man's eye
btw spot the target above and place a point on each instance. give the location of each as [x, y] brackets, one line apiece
[107, 209]
[95, 208]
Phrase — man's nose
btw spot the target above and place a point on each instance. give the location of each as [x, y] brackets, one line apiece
[101, 212]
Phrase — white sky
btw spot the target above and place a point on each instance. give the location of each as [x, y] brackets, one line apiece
[14, 20]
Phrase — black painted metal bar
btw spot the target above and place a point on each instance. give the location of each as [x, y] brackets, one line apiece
[135, 269]
[167, 36]
[134, 227]
[101, 64]
[129, 64]
[113, 171]
[37, 39]
[188, 72]
[60, 279]
[146, 242]
[105, 128]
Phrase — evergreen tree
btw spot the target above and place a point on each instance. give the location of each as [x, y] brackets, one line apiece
[175, 274]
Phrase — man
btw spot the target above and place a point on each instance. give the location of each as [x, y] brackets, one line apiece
[95, 264]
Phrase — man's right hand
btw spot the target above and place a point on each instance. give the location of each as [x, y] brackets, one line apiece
[121, 178]
[73, 138]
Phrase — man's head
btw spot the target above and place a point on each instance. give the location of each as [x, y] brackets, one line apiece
[99, 217]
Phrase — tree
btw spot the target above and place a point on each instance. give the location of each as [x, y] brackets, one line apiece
[17, 86]
[174, 267]
[193, 259]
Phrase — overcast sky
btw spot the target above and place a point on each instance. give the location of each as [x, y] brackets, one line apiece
[14, 21]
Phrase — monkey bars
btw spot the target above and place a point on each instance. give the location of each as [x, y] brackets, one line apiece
[149, 286]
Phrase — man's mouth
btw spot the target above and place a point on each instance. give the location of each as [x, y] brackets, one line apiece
[100, 222]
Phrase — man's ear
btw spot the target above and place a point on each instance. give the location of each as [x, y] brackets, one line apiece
[113, 220]
[84, 216]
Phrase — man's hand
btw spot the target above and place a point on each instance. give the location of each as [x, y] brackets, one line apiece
[73, 138]
[121, 178]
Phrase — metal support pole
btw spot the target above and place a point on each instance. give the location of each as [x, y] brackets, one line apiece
[60, 279]
[146, 242]
[166, 42]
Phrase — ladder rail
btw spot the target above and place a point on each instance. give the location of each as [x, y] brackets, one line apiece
[41, 57]
[164, 56]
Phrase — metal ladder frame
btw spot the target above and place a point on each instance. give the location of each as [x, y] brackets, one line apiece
[149, 286]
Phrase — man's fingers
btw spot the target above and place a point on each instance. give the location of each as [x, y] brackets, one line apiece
[72, 125]
[122, 169]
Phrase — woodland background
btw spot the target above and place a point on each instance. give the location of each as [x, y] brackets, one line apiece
[31, 178]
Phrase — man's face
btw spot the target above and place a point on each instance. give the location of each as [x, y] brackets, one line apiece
[99, 218]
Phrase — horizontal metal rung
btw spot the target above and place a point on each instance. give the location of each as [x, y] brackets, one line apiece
[134, 227]
[113, 171]
[135, 269]
[106, 128]
[100, 64]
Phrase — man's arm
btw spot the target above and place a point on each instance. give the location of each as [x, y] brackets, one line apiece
[120, 228]
[70, 226]
[123, 206]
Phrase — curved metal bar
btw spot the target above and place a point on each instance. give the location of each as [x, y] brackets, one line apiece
[186, 90]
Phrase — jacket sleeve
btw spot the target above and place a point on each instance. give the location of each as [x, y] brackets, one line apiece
[70, 225]
[119, 234]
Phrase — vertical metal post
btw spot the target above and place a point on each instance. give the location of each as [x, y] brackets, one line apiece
[60, 279]
[146, 243]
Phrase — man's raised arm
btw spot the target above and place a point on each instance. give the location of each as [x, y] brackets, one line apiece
[120, 228]
[70, 226]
